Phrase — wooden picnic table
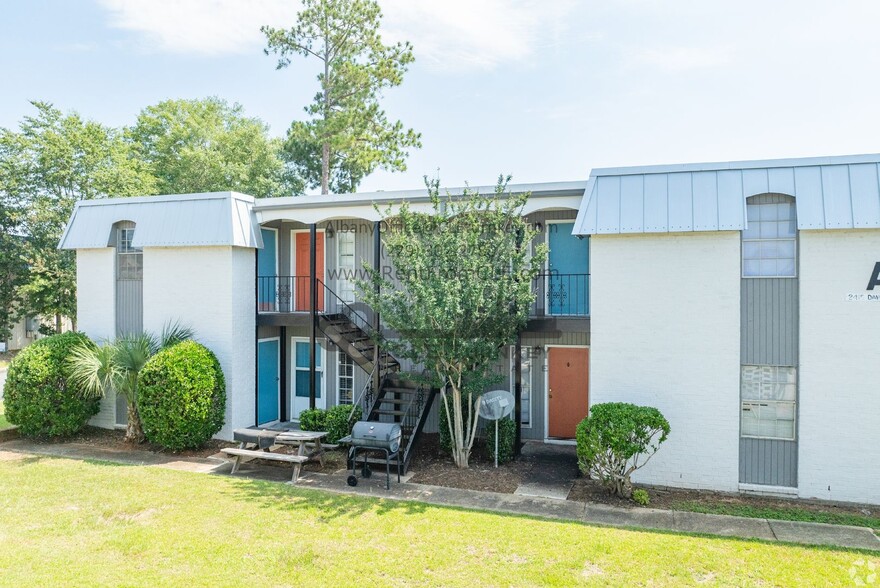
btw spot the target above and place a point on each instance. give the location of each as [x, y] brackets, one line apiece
[308, 443]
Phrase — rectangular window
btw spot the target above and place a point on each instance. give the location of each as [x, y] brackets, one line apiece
[769, 244]
[129, 259]
[345, 265]
[301, 369]
[769, 399]
[345, 377]
[525, 417]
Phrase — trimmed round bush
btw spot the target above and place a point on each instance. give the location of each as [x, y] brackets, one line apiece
[182, 396]
[616, 439]
[313, 419]
[38, 397]
[338, 423]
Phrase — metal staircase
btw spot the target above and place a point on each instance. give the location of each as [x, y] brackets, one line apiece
[399, 399]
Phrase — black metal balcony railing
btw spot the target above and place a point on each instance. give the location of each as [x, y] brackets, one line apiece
[555, 295]
[561, 295]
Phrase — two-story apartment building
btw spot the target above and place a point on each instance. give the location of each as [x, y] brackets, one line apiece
[741, 298]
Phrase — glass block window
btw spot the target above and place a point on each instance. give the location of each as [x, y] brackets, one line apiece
[345, 378]
[129, 259]
[769, 244]
[769, 401]
[525, 416]
[345, 265]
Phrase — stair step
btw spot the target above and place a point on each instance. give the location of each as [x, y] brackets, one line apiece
[394, 400]
[381, 411]
[409, 391]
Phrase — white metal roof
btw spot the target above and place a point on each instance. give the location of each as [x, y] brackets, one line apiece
[314, 209]
[830, 193]
[214, 218]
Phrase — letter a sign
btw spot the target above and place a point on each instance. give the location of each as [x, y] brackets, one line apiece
[875, 277]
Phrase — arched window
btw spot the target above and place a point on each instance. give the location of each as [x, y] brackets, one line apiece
[769, 243]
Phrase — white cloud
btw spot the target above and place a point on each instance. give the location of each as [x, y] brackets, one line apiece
[448, 34]
[207, 27]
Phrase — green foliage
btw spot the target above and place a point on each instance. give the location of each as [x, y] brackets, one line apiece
[339, 421]
[182, 399]
[347, 135]
[640, 496]
[313, 419]
[454, 311]
[116, 366]
[336, 421]
[616, 439]
[506, 439]
[52, 161]
[39, 396]
[209, 145]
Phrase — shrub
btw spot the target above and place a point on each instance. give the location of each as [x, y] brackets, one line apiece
[506, 439]
[182, 396]
[313, 419]
[640, 496]
[616, 439]
[38, 396]
[338, 423]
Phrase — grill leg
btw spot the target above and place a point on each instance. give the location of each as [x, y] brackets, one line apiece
[387, 470]
[398, 467]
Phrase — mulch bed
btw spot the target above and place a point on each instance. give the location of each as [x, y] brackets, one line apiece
[431, 466]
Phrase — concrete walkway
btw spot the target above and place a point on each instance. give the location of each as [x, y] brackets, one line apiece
[593, 514]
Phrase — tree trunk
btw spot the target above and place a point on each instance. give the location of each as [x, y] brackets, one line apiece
[134, 433]
[325, 168]
[57, 323]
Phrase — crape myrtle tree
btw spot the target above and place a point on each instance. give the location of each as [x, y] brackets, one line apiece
[462, 290]
[347, 134]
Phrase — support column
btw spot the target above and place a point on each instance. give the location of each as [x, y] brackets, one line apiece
[313, 312]
[377, 266]
[282, 371]
[517, 394]
[256, 340]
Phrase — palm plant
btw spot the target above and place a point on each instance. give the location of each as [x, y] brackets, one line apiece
[115, 366]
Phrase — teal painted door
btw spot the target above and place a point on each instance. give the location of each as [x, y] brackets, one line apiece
[267, 268]
[268, 381]
[568, 286]
[301, 378]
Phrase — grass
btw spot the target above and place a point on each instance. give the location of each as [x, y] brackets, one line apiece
[4, 424]
[783, 514]
[67, 522]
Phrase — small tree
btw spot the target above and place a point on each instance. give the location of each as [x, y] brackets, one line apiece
[348, 134]
[462, 290]
[616, 439]
[97, 370]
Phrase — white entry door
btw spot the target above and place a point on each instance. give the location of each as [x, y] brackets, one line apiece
[300, 392]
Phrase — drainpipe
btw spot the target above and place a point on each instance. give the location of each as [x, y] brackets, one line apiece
[313, 312]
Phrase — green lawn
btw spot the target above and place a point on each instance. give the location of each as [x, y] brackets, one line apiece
[785, 514]
[65, 522]
[4, 424]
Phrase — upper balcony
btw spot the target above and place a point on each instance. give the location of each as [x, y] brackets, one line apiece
[557, 295]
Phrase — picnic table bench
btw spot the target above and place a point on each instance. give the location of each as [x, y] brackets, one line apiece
[308, 443]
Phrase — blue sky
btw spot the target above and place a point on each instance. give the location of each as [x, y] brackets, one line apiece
[541, 90]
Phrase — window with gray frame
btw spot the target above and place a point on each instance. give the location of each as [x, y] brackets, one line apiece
[769, 401]
[345, 378]
[129, 259]
[525, 416]
[769, 243]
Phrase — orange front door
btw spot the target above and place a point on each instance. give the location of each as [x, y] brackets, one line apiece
[301, 270]
[568, 389]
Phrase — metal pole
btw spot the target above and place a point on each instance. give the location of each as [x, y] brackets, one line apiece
[517, 394]
[496, 442]
[256, 339]
[313, 313]
[377, 266]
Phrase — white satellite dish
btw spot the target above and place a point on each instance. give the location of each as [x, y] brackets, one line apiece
[494, 406]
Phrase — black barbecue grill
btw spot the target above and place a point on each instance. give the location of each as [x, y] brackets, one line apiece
[369, 436]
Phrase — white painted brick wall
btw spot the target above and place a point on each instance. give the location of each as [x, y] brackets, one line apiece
[665, 332]
[210, 289]
[839, 429]
[96, 310]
